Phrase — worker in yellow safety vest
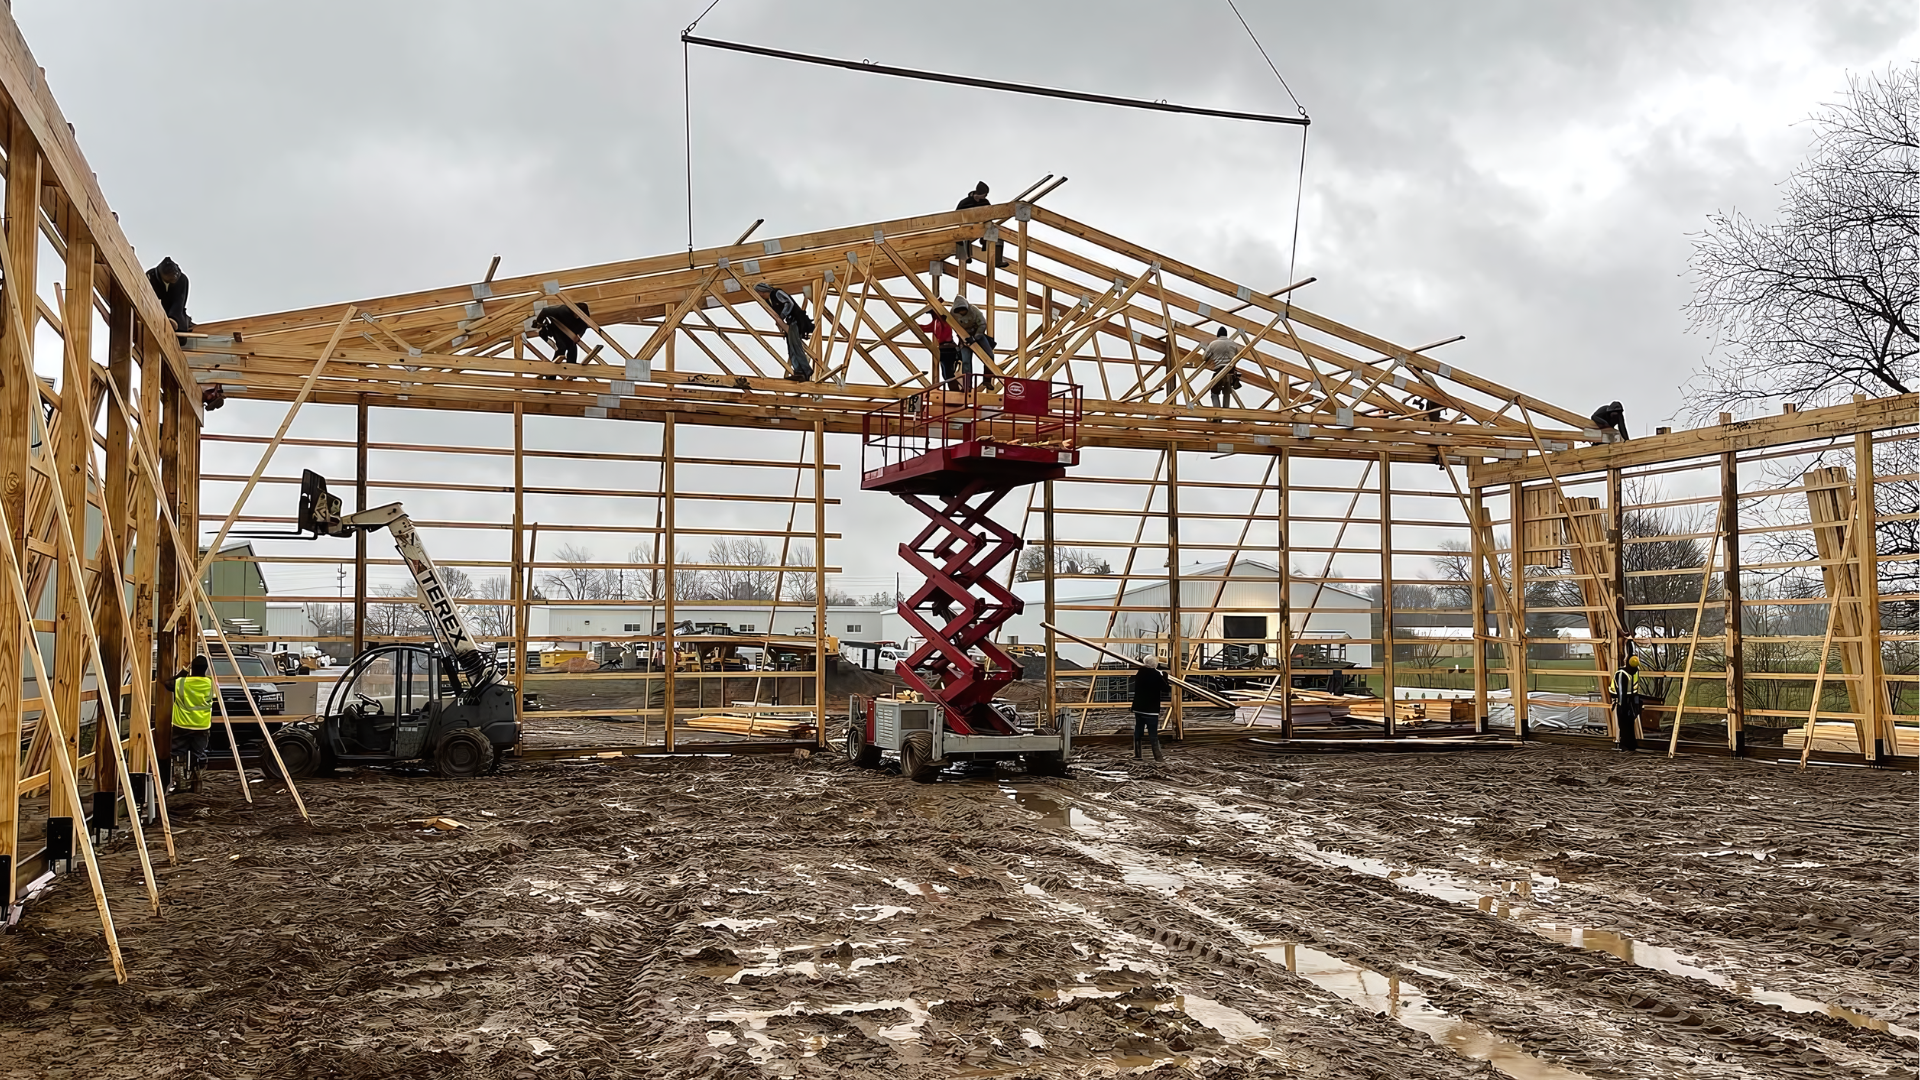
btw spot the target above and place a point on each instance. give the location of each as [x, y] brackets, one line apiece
[1626, 704]
[193, 696]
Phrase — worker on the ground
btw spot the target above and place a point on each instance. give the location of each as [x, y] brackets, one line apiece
[1219, 354]
[1611, 417]
[947, 349]
[170, 285]
[192, 722]
[1149, 686]
[1626, 703]
[973, 330]
[977, 198]
[563, 328]
[795, 323]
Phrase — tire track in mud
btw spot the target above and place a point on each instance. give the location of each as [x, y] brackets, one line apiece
[1655, 1014]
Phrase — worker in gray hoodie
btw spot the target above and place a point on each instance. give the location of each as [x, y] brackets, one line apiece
[973, 330]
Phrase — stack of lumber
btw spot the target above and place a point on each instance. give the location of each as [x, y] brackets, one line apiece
[1841, 737]
[1316, 708]
[775, 727]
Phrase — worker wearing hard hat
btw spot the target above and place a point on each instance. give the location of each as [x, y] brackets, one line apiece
[1626, 704]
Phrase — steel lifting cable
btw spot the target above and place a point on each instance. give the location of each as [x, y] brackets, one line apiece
[1300, 183]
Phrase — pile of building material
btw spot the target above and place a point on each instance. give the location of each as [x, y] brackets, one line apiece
[772, 726]
[1316, 708]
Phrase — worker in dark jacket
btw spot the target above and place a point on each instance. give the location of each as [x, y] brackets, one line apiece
[1611, 417]
[193, 696]
[563, 328]
[1149, 686]
[795, 324]
[976, 198]
[1626, 704]
[170, 285]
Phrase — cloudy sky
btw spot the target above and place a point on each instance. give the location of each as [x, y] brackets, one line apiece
[1526, 174]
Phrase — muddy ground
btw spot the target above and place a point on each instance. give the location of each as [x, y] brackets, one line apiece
[1543, 913]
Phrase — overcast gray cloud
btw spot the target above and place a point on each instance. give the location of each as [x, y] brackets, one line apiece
[1522, 173]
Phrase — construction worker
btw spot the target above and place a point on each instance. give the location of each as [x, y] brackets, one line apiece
[948, 350]
[192, 722]
[1626, 703]
[1149, 686]
[796, 324]
[1611, 417]
[977, 198]
[1219, 354]
[170, 285]
[563, 328]
[973, 326]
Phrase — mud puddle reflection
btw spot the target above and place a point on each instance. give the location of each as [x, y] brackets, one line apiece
[1509, 900]
[1640, 954]
[1407, 1004]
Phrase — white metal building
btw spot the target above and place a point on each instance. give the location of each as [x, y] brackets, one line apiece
[574, 625]
[1248, 596]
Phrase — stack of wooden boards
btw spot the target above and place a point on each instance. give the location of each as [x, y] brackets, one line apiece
[1316, 708]
[771, 726]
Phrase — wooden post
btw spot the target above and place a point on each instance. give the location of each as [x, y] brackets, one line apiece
[1873, 671]
[169, 653]
[1176, 647]
[114, 522]
[1386, 596]
[1477, 603]
[1046, 546]
[19, 402]
[1616, 562]
[1736, 661]
[146, 553]
[517, 582]
[1693, 640]
[1517, 658]
[71, 439]
[670, 657]
[360, 535]
[1285, 575]
[1020, 329]
[820, 659]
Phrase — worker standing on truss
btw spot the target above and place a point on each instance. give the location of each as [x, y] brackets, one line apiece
[1219, 354]
[170, 285]
[1611, 417]
[796, 324]
[563, 328]
[948, 352]
[975, 199]
[972, 323]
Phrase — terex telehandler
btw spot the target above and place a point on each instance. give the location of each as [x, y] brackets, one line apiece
[447, 705]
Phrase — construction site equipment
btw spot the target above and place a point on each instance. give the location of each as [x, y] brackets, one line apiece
[966, 450]
[447, 705]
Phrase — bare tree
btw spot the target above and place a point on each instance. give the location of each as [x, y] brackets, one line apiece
[801, 586]
[1067, 562]
[734, 570]
[1826, 302]
[571, 581]
[492, 620]
[331, 620]
[396, 613]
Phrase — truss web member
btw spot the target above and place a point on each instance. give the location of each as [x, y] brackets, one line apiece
[192, 721]
[1149, 686]
[796, 324]
[170, 285]
[1219, 354]
[563, 328]
[1611, 417]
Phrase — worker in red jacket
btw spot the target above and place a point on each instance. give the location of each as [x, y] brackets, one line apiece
[948, 353]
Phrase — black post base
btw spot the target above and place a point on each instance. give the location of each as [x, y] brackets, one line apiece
[137, 795]
[106, 813]
[60, 842]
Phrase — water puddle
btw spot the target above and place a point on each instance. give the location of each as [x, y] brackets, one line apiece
[1054, 814]
[1510, 899]
[1641, 954]
[1408, 1004]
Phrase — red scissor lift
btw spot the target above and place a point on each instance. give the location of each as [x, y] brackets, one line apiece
[953, 456]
